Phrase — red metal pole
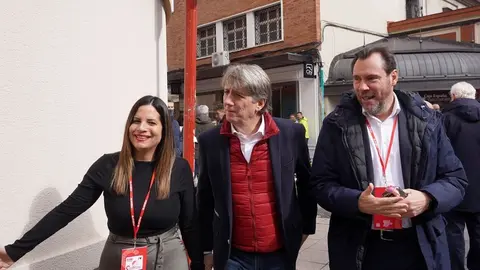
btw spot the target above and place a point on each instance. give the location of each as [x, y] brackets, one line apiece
[190, 82]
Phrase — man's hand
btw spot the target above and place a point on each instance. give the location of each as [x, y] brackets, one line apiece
[304, 237]
[5, 260]
[390, 207]
[417, 202]
[208, 261]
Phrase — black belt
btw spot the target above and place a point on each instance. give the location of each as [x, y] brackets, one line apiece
[394, 235]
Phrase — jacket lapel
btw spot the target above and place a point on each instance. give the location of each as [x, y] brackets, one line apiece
[275, 156]
[405, 149]
[368, 154]
[224, 146]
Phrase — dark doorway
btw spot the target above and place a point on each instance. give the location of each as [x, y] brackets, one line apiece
[284, 99]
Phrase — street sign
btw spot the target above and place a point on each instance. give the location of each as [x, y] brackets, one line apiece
[309, 70]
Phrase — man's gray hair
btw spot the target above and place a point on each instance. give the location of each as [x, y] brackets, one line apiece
[251, 80]
[463, 90]
[202, 109]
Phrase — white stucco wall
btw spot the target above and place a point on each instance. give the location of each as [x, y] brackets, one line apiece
[369, 15]
[69, 73]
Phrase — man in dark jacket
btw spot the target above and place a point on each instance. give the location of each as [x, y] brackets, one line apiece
[252, 213]
[203, 122]
[462, 124]
[379, 140]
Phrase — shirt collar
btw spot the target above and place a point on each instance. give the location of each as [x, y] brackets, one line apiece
[261, 129]
[396, 107]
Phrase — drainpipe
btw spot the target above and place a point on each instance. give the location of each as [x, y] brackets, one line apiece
[190, 82]
[321, 73]
[321, 87]
[321, 79]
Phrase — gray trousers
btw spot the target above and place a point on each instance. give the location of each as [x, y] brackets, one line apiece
[165, 251]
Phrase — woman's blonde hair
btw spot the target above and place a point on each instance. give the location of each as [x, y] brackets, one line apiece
[164, 156]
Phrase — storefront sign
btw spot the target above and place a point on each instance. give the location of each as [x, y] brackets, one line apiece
[435, 97]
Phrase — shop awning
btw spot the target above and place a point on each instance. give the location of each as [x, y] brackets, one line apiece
[422, 65]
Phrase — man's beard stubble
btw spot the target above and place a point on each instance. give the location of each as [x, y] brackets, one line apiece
[377, 109]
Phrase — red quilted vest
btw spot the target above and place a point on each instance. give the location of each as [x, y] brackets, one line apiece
[255, 219]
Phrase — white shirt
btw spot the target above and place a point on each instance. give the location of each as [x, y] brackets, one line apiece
[247, 142]
[383, 132]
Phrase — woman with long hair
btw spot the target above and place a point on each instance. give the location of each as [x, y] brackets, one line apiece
[148, 195]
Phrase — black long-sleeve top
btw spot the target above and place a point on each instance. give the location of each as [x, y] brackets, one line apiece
[159, 216]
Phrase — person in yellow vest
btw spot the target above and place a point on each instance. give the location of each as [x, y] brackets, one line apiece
[304, 121]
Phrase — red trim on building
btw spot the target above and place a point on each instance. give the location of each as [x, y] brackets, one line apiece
[445, 19]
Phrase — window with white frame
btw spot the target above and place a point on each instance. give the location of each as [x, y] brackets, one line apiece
[268, 25]
[235, 34]
[206, 41]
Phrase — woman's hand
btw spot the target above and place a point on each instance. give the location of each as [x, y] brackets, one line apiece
[5, 260]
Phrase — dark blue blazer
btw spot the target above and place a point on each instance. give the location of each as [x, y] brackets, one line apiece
[296, 210]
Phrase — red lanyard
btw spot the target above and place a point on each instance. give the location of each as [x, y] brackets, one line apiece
[383, 163]
[137, 227]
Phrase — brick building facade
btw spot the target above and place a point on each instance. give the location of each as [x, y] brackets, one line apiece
[283, 37]
[300, 24]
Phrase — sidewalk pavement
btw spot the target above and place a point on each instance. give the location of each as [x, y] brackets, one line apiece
[314, 253]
